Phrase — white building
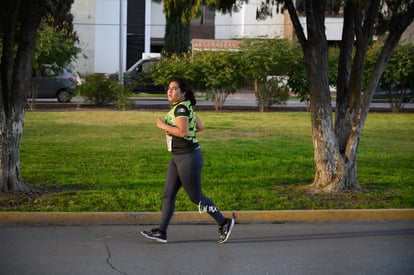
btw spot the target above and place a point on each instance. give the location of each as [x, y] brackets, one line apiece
[243, 24]
[104, 40]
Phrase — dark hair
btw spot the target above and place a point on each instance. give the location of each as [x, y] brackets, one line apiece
[185, 88]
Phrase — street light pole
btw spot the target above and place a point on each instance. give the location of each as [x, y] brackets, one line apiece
[121, 45]
[147, 38]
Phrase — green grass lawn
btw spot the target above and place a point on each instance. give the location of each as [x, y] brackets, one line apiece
[117, 160]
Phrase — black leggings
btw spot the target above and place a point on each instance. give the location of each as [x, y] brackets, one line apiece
[185, 170]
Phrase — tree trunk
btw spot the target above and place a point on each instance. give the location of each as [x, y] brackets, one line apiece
[219, 98]
[329, 163]
[16, 68]
[331, 171]
[336, 146]
[12, 131]
[257, 87]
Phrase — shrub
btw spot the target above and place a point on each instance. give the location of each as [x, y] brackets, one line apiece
[123, 93]
[96, 89]
[273, 91]
[102, 90]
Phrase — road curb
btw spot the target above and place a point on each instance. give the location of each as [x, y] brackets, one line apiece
[146, 218]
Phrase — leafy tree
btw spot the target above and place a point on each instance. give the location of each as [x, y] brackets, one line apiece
[218, 74]
[172, 66]
[273, 91]
[54, 45]
[398, 77]
[19, 22]
[336, 139]
[297, 81]
[267, 57]
[178, 15]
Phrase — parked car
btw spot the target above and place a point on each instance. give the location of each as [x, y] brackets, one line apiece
[137, 77]
[382, 95]
[54, 82]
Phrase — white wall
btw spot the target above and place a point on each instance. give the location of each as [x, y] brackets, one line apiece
[157, 21]
[243, 24]
[83, 23]
[97, 25]
[333, 27]
[237, 25]
[107, 36]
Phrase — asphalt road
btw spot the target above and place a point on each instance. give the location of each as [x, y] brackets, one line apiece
[239, 100]
[352, 247]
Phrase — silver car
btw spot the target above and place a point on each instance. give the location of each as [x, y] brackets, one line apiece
[55, 82]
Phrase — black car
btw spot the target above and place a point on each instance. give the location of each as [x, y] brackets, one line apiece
[382, 95]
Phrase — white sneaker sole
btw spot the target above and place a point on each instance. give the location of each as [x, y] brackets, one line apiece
[153, 238]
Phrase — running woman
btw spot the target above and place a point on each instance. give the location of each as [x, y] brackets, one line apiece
[181, 125]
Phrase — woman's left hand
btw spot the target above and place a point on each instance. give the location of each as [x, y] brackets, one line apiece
[161, 124]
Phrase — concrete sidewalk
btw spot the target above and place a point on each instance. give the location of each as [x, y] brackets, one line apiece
[242, 217]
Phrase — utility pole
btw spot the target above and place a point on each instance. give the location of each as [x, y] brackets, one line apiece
[147, 38]
[121, 44]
